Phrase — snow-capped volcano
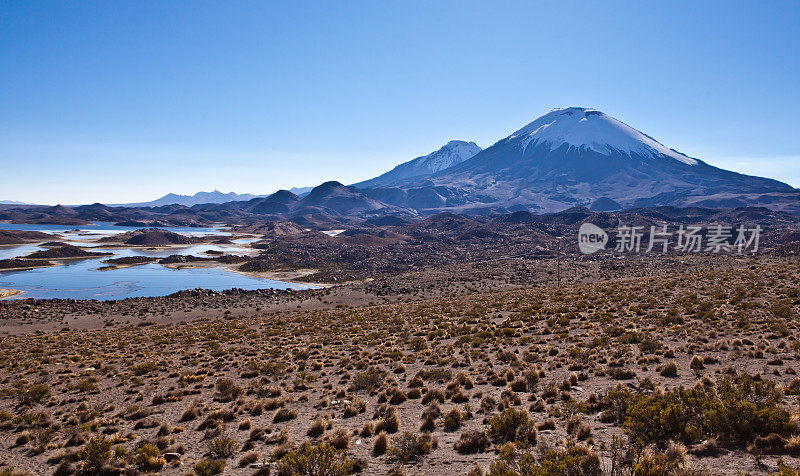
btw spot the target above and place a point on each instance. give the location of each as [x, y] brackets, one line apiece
[573, 157]
[452, 153]
[591, 129]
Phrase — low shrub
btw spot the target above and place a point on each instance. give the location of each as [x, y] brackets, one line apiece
[473, 441]
[148, 458]
[572, 459]
[320, 459]
[734, 411]
[227, 389]
[408, 446]
[96, 452]
[222, 447]
[208, 467]
[503, 426]
[369, 379]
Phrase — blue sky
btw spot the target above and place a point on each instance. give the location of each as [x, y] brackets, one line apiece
[125, 101]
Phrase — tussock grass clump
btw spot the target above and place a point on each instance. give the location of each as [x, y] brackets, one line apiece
[453, 419]
[284, 414]
[248, 459]
[381, 443]
[318, 426]
[670, 369]
[472, 441]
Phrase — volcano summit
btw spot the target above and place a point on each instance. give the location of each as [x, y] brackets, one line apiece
[574, 157]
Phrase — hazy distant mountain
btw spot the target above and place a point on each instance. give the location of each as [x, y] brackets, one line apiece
[12, 202]
[452, 153]
[200, 197]
[300, 191]
[579, 157]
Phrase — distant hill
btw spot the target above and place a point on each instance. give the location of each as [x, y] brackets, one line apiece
[300, 191]
[189, 200]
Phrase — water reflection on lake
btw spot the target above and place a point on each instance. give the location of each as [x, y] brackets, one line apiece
[80, 279]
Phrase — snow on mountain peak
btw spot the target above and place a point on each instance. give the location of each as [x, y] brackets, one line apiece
[454, 152]
[592, 129]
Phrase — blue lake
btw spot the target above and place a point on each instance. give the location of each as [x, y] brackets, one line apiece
[80, 279]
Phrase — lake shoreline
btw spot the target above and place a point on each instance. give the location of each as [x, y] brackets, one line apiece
[9, 293]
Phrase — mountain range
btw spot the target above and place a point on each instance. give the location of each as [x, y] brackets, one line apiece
[578, 157]
[569, 157]
[189, 200]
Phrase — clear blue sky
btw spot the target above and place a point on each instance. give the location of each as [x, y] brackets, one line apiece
[125, 101]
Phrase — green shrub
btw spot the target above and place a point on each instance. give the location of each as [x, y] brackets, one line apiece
[369, 379]
[144, 368]
[315, 460]
[740, 409]
[616, 403]
[222, 447]
[96, 452]
[408, 446]
[33, 393]
[148, 458]
[747, 408]
[227, 389]
[504, 426]
[570, 460]
[674, 415]
[208, 467]
[453, 419]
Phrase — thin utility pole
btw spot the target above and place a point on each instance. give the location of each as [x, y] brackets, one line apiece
[558, 262]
